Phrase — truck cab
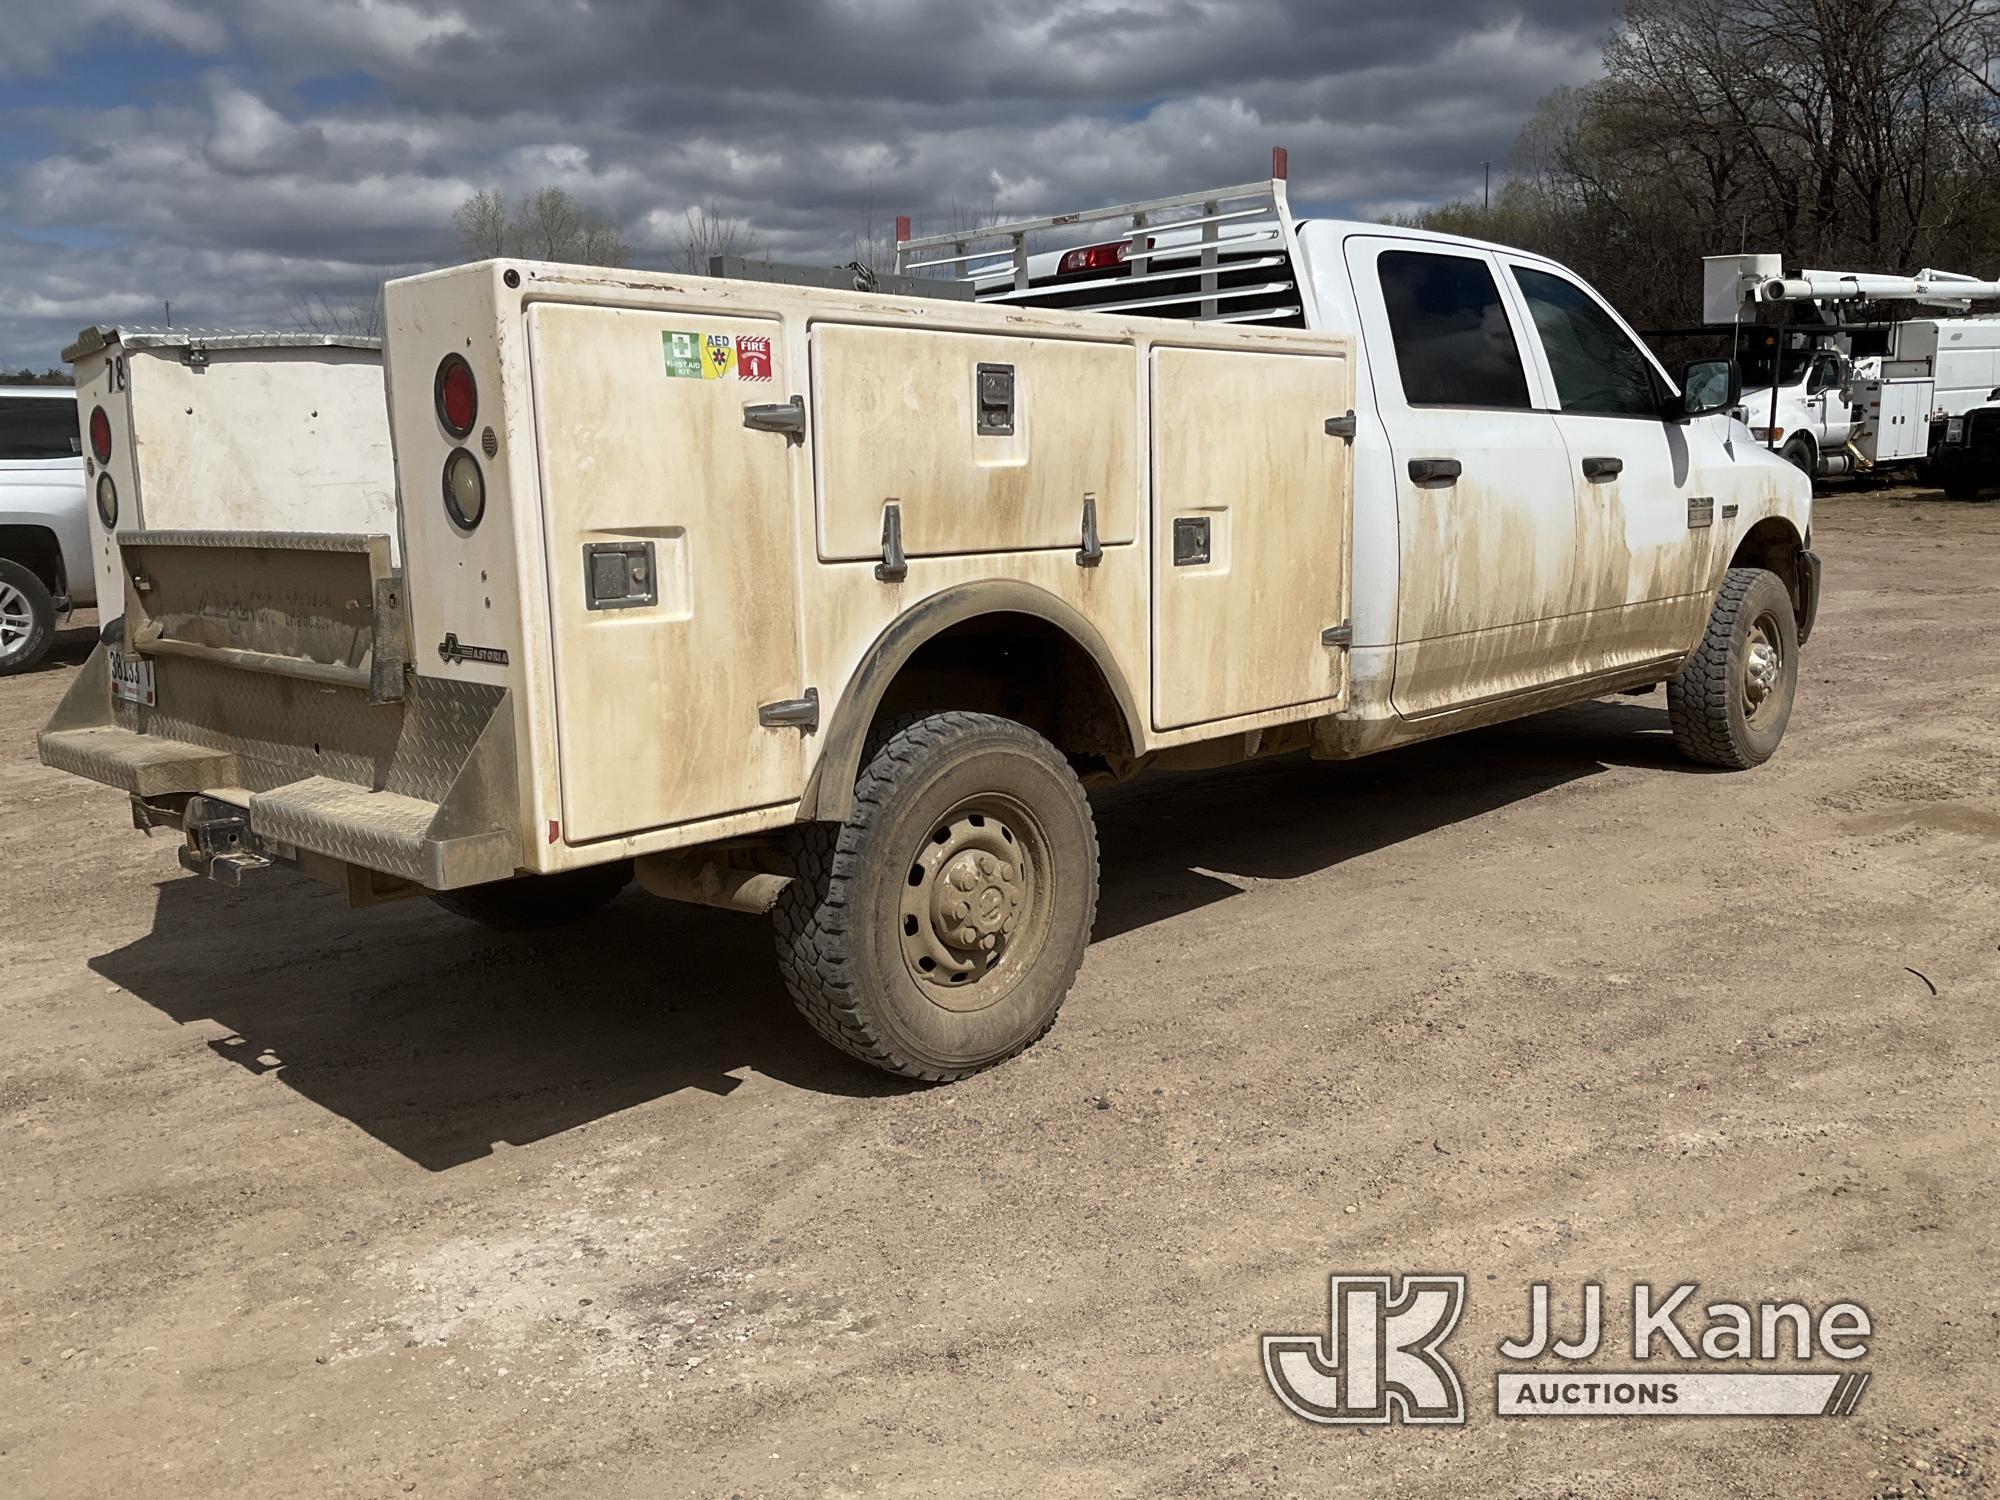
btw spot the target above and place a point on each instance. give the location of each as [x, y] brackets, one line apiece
[1799, 401]
[829, 595]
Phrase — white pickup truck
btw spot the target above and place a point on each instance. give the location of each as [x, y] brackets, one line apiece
[831, 602]
[44, 542]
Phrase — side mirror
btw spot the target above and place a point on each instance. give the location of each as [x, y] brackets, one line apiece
[1707, 385]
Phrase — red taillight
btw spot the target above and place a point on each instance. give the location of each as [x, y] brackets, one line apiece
[457, 396]
[100, 434]
[1107, 257]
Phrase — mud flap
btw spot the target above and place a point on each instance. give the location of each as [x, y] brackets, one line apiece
[1809, 586]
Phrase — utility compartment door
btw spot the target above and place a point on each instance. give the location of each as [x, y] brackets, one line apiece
[985, 444]
[1251, 559]
[646, 464]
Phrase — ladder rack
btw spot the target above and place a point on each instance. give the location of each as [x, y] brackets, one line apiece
[1226, 255]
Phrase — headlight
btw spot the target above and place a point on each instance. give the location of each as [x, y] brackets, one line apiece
[464, 489]
[1767, 434]
[107, 502]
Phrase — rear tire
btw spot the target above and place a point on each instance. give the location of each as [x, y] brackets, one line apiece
[27, 618]
[936, 932]
[1961, 484]
[528, 903]
[1732, 698]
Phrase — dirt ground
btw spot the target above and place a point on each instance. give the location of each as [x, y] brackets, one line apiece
[302, 1201]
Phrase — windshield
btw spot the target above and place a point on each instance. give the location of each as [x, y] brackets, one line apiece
[36, 427]
[1757, 360]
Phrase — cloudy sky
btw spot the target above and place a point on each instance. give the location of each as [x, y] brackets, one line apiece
[237, 156]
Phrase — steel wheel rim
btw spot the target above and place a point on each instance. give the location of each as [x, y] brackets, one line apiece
[976, 902]
[17, 622]
[1763, 666]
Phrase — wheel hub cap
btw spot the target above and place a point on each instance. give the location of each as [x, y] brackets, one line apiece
[967, 904]
[1763, 662]
[16, 624]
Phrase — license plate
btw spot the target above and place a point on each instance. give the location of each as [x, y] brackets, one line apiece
[132, 678]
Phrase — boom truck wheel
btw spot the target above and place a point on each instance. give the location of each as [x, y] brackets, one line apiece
[937, 930]
[528, 903]
[1731, 699]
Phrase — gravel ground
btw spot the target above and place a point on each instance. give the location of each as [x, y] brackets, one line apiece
[302, 1201]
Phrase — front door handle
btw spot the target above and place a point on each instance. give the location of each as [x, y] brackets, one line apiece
[1603, 468]
[1435, 470]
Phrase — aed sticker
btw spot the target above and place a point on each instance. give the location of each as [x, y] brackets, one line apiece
[683, 353]
[718, 356]
[753, 357]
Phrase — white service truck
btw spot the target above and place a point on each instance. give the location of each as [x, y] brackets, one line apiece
[1830, 414]
[830, 603]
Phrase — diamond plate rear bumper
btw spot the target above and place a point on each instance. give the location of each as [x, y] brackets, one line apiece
[423, 790]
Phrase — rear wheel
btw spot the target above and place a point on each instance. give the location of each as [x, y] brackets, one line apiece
[529, 902]
[27, 618]
[1732, 698]
[1961, 483]
[937, 931]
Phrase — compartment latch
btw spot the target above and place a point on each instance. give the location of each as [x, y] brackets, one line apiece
[619, 575]
[995, 417]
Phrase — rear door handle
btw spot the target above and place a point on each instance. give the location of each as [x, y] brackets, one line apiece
[1435, 470]
[1603, 468]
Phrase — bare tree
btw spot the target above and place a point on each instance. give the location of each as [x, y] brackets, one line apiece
[1861, 133]
[550, 223]
[350, 313]
[481, 223]
[355, 316]
[710, 233]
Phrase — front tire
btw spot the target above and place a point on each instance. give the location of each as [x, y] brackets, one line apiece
[528, 903]
[1800, 455]
[27, 618]
[936, 932]
[1732, 698]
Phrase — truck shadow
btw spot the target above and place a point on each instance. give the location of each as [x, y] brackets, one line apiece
[439, 1038]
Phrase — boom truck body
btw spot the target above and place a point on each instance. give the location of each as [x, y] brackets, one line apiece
[1831, 414]
[830, 602]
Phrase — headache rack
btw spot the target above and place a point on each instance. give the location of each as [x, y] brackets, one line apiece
[1226, 255]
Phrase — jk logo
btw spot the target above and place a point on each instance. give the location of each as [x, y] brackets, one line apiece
[1379, 1359]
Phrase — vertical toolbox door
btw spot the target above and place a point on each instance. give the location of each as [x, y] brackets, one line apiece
[672, 587]
[1250, 533]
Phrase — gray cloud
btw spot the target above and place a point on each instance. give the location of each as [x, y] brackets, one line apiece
[236, 197]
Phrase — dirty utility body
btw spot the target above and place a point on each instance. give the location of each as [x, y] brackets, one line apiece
[829, 603]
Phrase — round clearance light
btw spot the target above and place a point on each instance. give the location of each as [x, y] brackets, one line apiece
[457, 396]
[100, 434]
[464, 490]
[107, 502]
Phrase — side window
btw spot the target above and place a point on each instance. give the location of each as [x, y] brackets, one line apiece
[31, 427]
[1453, 344]
[1824, 377]
[1597, 367]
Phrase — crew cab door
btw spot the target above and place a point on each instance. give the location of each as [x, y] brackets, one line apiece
[1645, 510]
[1486, 513]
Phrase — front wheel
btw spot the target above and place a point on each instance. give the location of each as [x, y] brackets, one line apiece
[937, 930]
[1731, 699]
